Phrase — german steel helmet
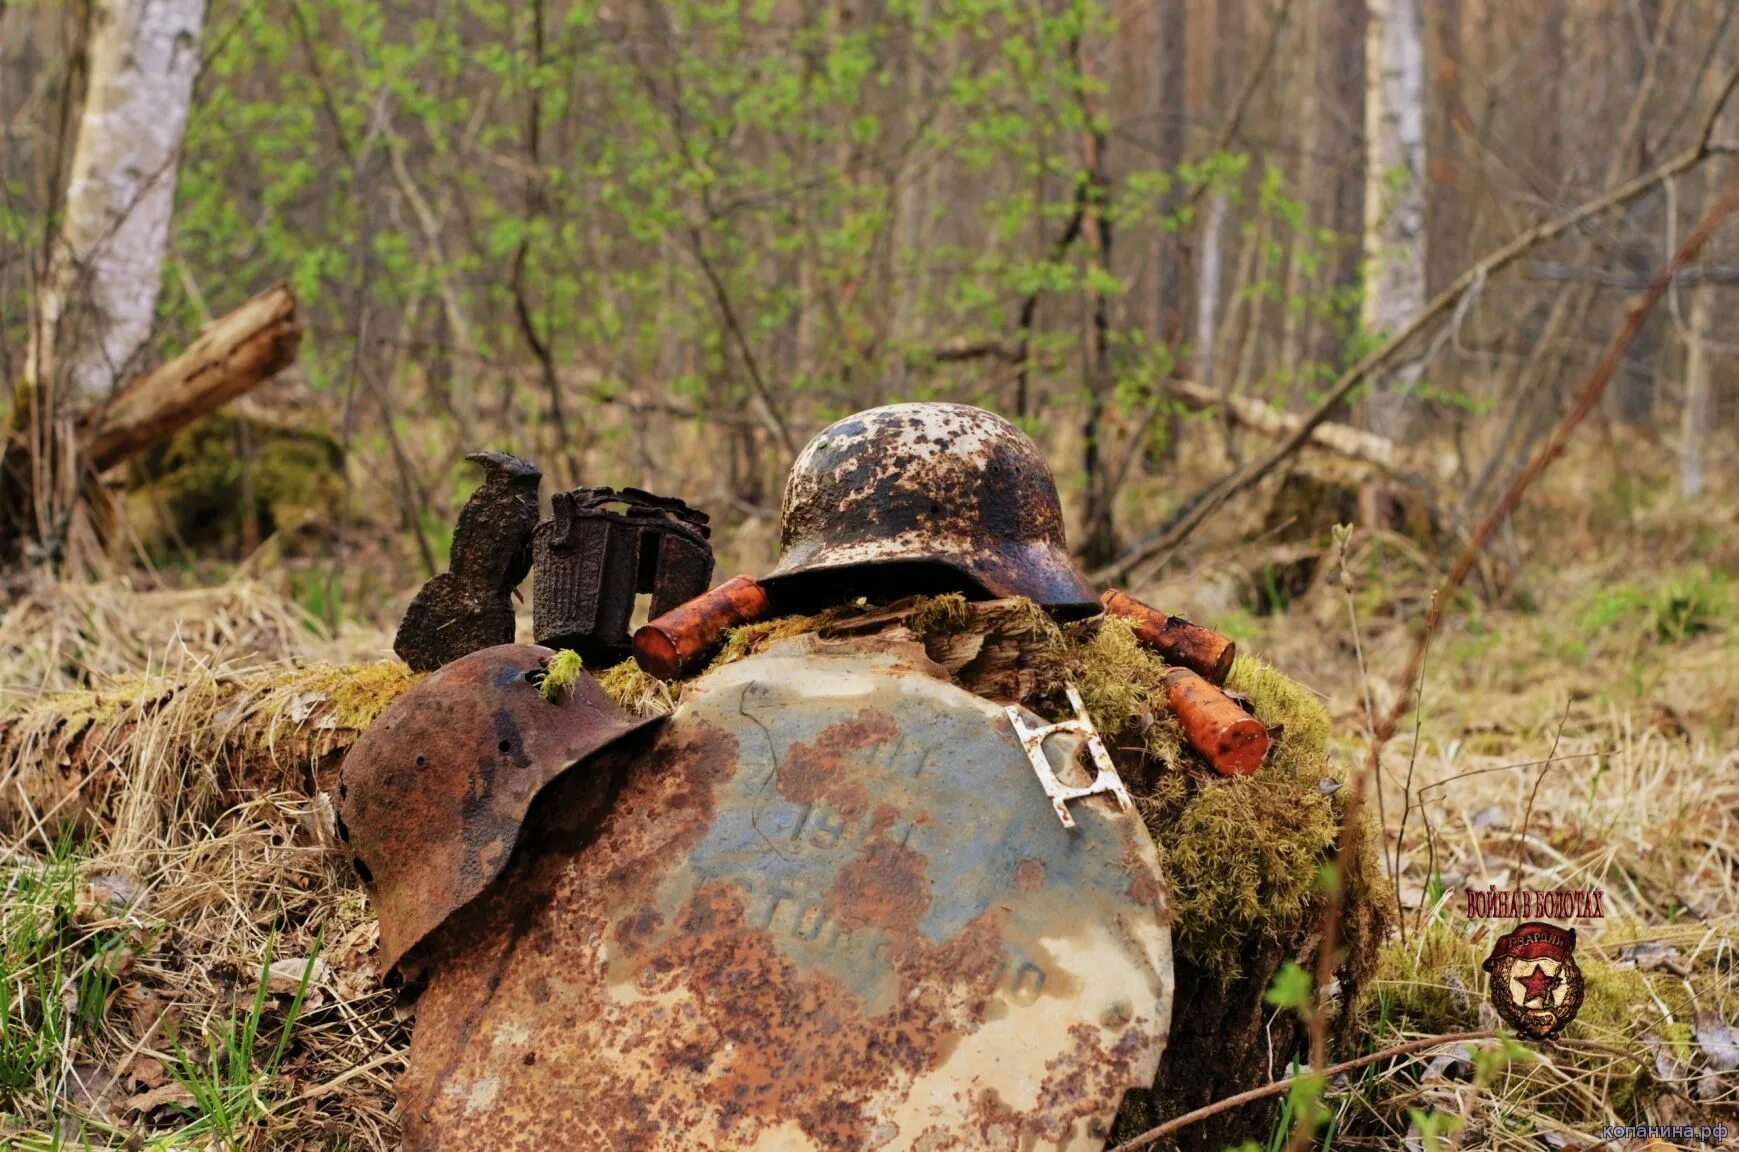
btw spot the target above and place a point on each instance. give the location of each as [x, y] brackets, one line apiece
[945, 484]
[432, 796]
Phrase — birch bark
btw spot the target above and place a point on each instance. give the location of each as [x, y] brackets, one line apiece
[1394, 239]
[96, 305]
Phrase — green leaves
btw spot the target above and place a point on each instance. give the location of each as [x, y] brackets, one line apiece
[1289, 991]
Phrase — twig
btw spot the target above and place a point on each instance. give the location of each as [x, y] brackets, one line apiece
[1528, 813]
[1153, 1135]
[1407, 792]
[1216, 495]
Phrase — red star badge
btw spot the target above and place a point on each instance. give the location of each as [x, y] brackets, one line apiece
[1538, 985]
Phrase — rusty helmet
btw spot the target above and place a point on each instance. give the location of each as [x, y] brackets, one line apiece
[931, 484]
[431, 797]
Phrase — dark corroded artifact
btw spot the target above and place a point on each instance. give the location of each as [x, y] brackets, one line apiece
[675, 643]
[598, 551]
[432, 796]
[829, 908]
[908, 489]
[470, 606]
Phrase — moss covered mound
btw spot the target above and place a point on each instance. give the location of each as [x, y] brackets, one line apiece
[189, 489]
[1631, 1024]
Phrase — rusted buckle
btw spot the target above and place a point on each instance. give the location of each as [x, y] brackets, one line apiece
[1105, 779]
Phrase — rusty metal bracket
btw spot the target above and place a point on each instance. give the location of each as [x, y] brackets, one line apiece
[1105, 779]
[600, 549]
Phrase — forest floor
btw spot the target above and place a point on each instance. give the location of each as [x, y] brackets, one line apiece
[179, 982]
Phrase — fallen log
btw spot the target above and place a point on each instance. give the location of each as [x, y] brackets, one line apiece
[185, 739]
[233, 356]
[1377, 451]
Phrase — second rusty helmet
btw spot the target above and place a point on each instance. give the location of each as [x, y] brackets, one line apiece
[931, 483]
[432, 796]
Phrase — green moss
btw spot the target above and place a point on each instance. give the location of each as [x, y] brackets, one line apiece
[560, 673]
[1430, 983]
[636, 690]
[189, 487]
[1301, 744]
[748, 639]
[1242, 856]
[1121, 682]
[939, 614]
[1434, 982]
[355, 693]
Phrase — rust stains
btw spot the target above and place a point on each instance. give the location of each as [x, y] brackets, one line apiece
[886, 888]
[945, 484]
[818, 771]
[433, 795]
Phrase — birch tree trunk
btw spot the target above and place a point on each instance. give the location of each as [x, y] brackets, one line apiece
[1295, 320]
[1699, 408]
[1394, 241]
[95, 308]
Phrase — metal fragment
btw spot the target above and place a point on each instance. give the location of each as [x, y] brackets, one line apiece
[674, 643]
[1202, 650]
[1233, 742]
[470, 606]
[432, 796]
[1105, 780]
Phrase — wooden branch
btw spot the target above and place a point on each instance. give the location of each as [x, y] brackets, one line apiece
[235, 355]
[1154, 1135]
[1211, 499]
[1342, 439]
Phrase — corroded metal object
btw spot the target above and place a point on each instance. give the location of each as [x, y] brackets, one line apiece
[1231, 740]
[931, 484]
[828, 909]
[470, 606]
[432, 796]
[1105, 780]
[675, 643]
[1202, 650]
[599, 550]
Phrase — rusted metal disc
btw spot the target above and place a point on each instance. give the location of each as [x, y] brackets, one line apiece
[829, 908]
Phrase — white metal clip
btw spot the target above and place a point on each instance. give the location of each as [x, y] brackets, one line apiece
[1105, 779]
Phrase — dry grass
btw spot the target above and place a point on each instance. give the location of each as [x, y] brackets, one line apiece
[1583, 736]
[153, 951]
